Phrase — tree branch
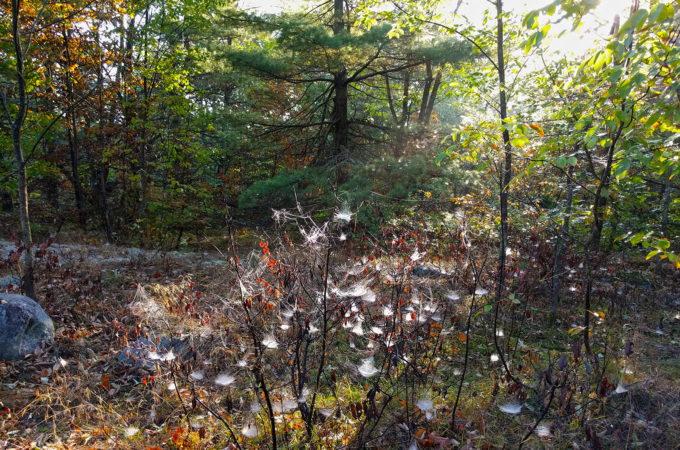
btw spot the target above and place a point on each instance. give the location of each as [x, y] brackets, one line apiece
[56, 119]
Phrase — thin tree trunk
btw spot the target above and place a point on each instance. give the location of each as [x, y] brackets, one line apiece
[562, 237]
[73, 135]
[390, 102]
[27, 241]
[505, 179]
[433, 95]
[52, 183]
[593, 244]
[426, 92]
[102, 170]
[16, 126]
[404, 100]
[666, 206]
[143, 156]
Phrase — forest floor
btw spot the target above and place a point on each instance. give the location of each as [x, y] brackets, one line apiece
[75, 393]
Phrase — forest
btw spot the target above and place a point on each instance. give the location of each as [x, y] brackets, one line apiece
[383, 224]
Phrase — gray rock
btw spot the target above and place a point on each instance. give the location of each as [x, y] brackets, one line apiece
[23, 326]
[216, 263]
[12, 279]
[421, 271]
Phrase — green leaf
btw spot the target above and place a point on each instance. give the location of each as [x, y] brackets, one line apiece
[637, 238]
[530, 20]
[656, 12]
[672, 257]
[660, 13]
[571, 160]
[520, 141]
[488, 308]
[662, 244]
[634, 22]
[622, 168]
[598, 60]
[561, 162]
[622, 116]
[625, 88]
[652, 254]
[617, 48]
[616, 74]
[575, 330]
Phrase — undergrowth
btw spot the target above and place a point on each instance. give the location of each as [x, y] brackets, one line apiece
[316, 340]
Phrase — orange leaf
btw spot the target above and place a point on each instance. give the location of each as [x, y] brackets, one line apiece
[462, 336]
[537, 128]
[105, 382]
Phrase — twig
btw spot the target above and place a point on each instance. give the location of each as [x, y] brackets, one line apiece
[545, 412]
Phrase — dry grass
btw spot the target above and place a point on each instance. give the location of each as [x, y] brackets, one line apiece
[75, 394]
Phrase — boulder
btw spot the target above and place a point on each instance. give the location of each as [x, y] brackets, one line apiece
[422, 271]
[13, 280]
[23, 326]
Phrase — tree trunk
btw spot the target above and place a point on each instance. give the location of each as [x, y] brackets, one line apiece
[16, 126]
[52, 184]
[562, 237]
[433, 96]
[390, 102]
[73, 136]
[593, 244]
[405, 101]
[504, 182]
[666, 206]
[506, 175]
[426, 93]
[143, 147]
[27, 283]
[339, 115]
[338, 20]
[102, 169]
